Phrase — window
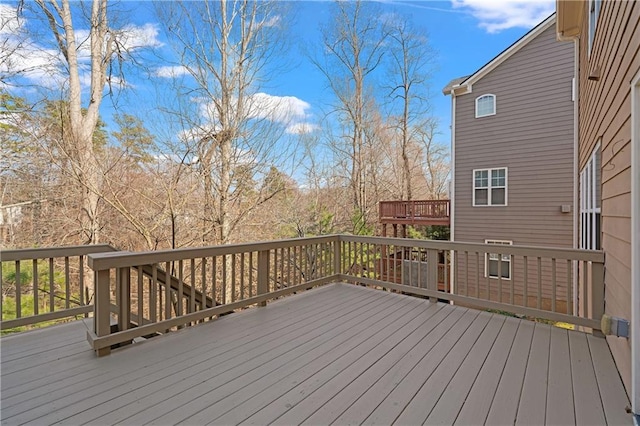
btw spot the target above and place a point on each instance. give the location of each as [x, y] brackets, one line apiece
[590, 202]
[493, 264]
[594, 12]
[490, 187]
[485, 105]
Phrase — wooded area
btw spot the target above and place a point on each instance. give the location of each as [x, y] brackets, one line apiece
[223, 168]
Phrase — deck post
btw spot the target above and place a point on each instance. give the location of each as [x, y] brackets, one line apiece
[124, 298]
[432, 272]
[101, 305]
[597, 291]
[337, 256]
[263, 274]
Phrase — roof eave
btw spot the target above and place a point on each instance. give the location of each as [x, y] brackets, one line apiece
[569, 16]
[506, 54]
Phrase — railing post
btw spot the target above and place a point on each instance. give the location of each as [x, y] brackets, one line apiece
[124, 298]
[337, 256]
[263, 274]
[101, 305]
[432, 272]
[597, 290]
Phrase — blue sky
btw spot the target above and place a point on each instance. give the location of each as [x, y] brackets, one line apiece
[464, 33]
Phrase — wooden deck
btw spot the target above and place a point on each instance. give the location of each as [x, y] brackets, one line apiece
[413, 212]
[338, 354]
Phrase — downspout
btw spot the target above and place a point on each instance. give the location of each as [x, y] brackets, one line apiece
[452, 191]
[576, 165]
[635, 248]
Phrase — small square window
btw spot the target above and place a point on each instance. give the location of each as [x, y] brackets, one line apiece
[497, 266]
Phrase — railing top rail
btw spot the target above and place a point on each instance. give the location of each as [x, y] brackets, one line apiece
[49, 252]
[102, 261]
[546, 252]
[400, 202]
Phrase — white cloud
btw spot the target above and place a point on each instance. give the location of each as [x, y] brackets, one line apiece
[10, 22]
[32, 62]
[133, 37]
[288, 111]
[171, 71]
[273, 21]
[129, 38]
[498, 15]
[28, 58]
[301, 128]
[281, 109]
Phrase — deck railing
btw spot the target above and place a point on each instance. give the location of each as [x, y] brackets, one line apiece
[52, 283]
[532, 281]
[538, 282]
[233, 276]
[413, 210]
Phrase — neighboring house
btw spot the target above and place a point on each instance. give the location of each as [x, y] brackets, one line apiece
[513, 150]
[607, 37]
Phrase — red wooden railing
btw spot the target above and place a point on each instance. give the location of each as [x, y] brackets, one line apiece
[432, 212]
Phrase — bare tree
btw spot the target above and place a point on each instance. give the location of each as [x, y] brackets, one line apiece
[436, 160]
[225, 49]
[411, 60]
[353, 46]
[83, 117]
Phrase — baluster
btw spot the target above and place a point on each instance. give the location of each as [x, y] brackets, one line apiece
[553, 285]
[263, 274]
[539, 304]
[140, 290]
[242, 260]
[18, 290]
[569, 289]
[525, 289]
[67, 284]
[36, 295]
[52, 289]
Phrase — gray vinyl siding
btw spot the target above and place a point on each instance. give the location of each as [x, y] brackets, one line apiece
[532, 136]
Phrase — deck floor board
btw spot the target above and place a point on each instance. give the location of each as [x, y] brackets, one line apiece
[339, 353]
[272, 365]
[533, 400]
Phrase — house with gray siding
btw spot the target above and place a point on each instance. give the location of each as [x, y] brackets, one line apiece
[513, 152]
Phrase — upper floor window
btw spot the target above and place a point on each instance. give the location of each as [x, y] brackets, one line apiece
[594, 12]
[485, 105]
[490, 187]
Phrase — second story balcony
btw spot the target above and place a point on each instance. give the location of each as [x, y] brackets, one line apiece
[415, 212]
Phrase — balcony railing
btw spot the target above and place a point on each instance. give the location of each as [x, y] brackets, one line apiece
[540, 282]
[52, 283]
[414, 212]
[47, 285]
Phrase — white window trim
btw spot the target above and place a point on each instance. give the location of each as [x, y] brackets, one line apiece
[495, 106]
[592, 25]
[589, 209]
[506, 187]
[486, 259]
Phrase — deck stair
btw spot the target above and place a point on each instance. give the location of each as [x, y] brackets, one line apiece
[186, 289]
